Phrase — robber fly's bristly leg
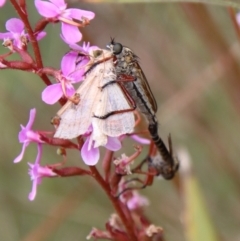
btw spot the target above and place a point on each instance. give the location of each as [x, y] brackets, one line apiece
[123, 78]
[129, 98]
[145, 183]
[139, 166]
[150, 174]
[96, 64]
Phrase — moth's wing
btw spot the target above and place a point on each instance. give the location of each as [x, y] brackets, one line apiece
[121, 123]
[76, 119]
[113, 99]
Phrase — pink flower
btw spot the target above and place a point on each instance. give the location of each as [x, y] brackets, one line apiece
[52, 93]
[36, 173]
[83, 55]
[17, 34]
[2, 2]
[58, 9]
[90, 152]
[238, 18]
[27, 135]
[73, 68]
[131, 197]
[137, 201]
[137, 138]
[85, 49]
[2, 66]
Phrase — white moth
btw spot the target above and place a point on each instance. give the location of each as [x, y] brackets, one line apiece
[75, 119]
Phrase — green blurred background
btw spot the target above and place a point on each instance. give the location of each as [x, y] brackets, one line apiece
[191, 57]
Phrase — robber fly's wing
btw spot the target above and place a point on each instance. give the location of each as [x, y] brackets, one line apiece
[146, 89]
[76, 119]
[113, 99]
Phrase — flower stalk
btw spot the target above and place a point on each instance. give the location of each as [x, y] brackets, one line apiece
[128, 223]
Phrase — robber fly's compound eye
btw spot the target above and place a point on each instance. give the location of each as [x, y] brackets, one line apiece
[117, 48]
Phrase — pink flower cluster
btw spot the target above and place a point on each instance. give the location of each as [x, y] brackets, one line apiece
[71, 71]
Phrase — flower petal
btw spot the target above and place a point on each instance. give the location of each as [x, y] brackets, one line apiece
[137, 201]
[20, 156]
[77, 47]
[68, 63]
[141, 140]
[6, 35]
[32, 116]
[71, 33]
[52, 93]
[46, 9]
[2, 2]
[59, 3]
[33, 192]
[41, 35]
[78, 14]
[70, 91]
[238, 18]
[15, 25]
[78, 74]
[113, 144]
[83, 49]
[90, 157]
[39, 154]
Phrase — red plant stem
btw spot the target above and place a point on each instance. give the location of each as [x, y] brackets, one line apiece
[107, 161]
[116, 203]
[33, 40]
[23, 15]
[28, 27]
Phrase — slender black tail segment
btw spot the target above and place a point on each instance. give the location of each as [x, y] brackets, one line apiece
[169, 165]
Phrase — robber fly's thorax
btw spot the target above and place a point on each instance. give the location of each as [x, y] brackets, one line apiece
[126, 63]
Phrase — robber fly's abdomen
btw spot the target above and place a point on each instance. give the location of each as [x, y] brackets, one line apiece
[166, 155]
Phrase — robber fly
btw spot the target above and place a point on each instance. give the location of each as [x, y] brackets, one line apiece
[132, 79]
[95, 101]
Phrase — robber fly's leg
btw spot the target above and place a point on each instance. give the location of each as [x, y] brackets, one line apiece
[147, 182]
[138, 168]
[97, 63]
[120, 78]
[130, 100]
[131, 188]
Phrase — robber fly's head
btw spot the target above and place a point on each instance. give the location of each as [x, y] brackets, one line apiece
[116, 48]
